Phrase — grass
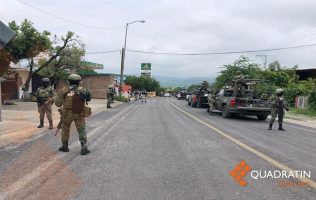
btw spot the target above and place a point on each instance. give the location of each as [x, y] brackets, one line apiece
[299, 111]
[121, 98]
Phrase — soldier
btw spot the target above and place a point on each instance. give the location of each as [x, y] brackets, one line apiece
[110, 97]
[278, 105]
[211, 101]
[45, 99]
[239, 84]
[73, 98]
[265, 95]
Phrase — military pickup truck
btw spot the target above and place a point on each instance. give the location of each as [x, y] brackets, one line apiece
[198, 98]
[248, 103]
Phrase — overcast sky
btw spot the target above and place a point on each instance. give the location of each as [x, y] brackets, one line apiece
[179, 26]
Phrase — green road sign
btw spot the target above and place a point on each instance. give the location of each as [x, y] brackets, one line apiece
[91, 65]
[6, 34]
[146, 66]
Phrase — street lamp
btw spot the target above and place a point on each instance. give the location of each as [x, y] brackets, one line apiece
[123, 53]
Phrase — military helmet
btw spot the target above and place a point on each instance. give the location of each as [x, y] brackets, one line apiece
[74, 79]
[45, 80]
[238, 72]
[279, 91]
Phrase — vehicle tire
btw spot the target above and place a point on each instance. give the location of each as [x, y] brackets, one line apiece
[225, 112]
[262, 117]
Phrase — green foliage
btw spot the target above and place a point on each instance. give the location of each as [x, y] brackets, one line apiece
[308, 112]
[140, 83]
[28, 42]
[121, 98]
[312, 100]
[177, 89]
[5, 59]
[191, 88]
[68, 59]
[275, 76]
[243, 64]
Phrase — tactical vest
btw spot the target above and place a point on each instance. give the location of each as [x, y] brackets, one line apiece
[74, 102]
[45, 93]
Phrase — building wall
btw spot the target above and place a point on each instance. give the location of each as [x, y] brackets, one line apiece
[97, 85]
[22, 76]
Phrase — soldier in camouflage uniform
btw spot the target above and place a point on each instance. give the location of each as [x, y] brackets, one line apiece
[110, 97]
[45, 99]
[211, 101]
[278, 105]
[239, 84]
[72, 99]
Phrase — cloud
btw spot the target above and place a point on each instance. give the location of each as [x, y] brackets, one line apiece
[182, 26]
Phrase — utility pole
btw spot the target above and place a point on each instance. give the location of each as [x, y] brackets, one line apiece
[123, 54]
[265, 59]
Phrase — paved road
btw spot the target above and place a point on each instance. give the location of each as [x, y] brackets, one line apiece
[160, 150]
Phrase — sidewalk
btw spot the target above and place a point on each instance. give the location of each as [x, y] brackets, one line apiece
[20, 121]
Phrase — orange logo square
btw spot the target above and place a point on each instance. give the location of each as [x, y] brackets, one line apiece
[239, 172]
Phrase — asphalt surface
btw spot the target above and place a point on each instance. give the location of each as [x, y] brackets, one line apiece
[159, 150]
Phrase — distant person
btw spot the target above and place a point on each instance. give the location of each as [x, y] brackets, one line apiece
[211, 101]
[110, 97]
[45, 98]
[143, 94]
[278, 105]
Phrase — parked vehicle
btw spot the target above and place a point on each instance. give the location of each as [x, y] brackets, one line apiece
[182, 94]
[198, 98]
[248, 104]
[167, 94]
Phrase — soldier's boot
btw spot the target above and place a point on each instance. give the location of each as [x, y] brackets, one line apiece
[270, 126]
[51, 125]
[64, 147]
[41, 125]
[280, 127]
[84, 149]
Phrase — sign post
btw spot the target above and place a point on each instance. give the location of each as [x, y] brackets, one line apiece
[91, 65]
[146, 70]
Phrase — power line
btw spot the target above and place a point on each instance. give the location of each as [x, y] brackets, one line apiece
[102, 52]
[222, 53]
[68, 20]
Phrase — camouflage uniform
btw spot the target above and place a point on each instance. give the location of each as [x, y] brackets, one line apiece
[110, 97]
[67, 98]
[278, 105]
[45, 99]
[265, 96]
[239, 83]
[211, 101]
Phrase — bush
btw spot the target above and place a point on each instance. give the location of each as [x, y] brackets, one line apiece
[312, 100]
[121, 98]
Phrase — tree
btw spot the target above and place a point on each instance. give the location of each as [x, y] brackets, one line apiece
[5, 60]
[36, 47]
[26, 44]
[191, 88]
[243, 64]
[140, 83]
[68, 59]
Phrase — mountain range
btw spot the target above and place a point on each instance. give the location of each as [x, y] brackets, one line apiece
[181, 82]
